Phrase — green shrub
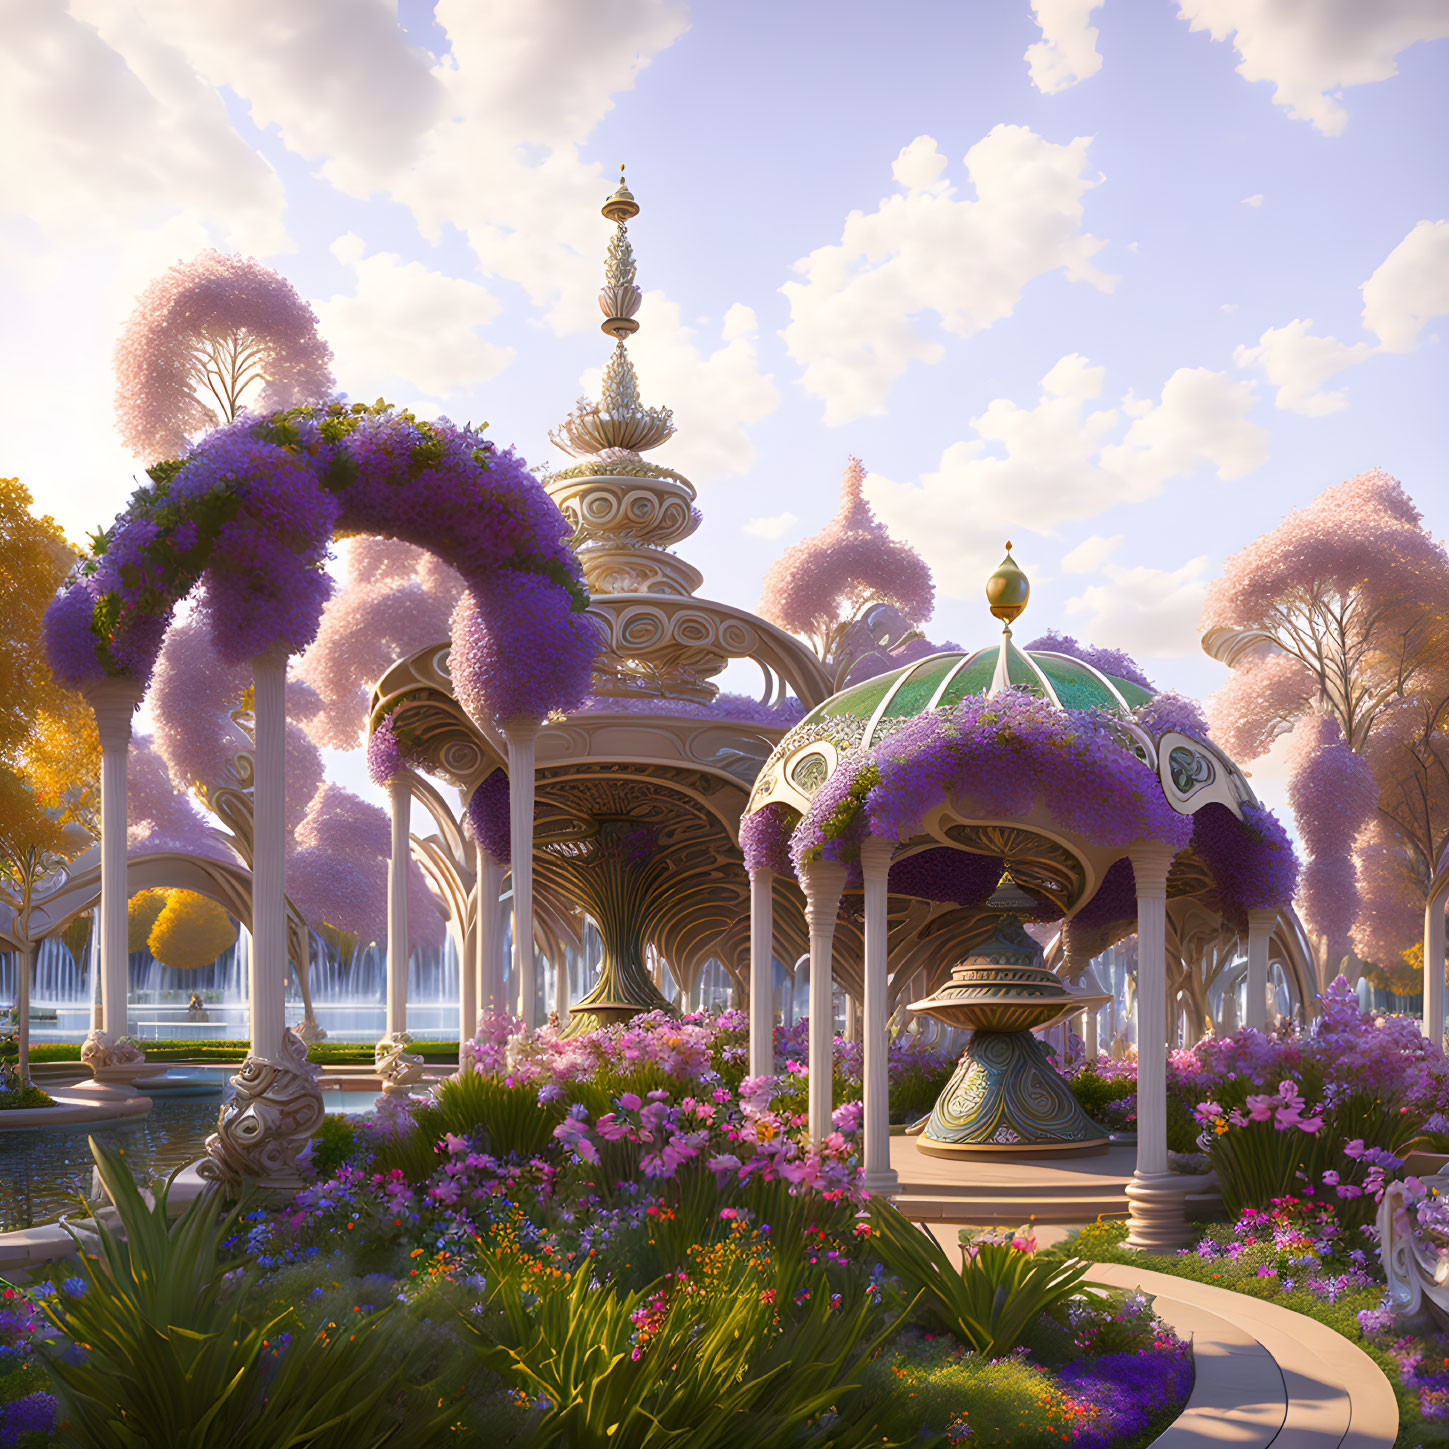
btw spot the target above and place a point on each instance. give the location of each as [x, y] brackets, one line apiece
[511, 1119]
[913, 1092]
[993, 1299]
[324, 1053]
[751, 1356]
[332, 1144]
[177, 1356]
[28, 1096]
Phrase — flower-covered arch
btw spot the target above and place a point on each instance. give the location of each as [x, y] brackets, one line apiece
[249, 514]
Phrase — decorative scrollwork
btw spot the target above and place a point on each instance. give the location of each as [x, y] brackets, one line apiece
[262, 1131]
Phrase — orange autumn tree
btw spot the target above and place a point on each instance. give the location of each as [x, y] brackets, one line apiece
[49, 752]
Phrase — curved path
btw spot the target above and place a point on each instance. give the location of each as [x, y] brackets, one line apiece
[1265, 1375]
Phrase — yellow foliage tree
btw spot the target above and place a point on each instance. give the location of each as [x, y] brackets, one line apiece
[49, 751]
[191, 931]
[141, 913]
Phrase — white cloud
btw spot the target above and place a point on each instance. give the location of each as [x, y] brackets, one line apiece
[1409, 287]
[1228, 307]
[1091, 554]
[522, 87]
[109, 128]
[1310, 51]
[1298, 364]
[1255, 200]
[1034, 469]
[337, 78]
[1067, 51]
[406, 324]
[776, 525]
[1146, 611]
[854, 317]
[715, 395]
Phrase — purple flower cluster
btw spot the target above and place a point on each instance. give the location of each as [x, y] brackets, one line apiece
[1172, 711]
[251, 511]
[765, 837]
[996, 757]
[385, 758]
[1252, 860]
[1121, 1393]
[488, 815]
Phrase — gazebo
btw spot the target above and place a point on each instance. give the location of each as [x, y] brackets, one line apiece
[922, 785]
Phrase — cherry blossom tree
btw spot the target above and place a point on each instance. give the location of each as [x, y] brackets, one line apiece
[394, 600]
[851, 588]
[1333, 795]
[1352, 588]
[207, 337]
[1341, 614]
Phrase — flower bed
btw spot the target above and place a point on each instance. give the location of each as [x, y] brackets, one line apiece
[613, 1239]
[1304, 1131]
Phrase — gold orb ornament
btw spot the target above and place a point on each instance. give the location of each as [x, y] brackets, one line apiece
[621, 206]
[1008, 589]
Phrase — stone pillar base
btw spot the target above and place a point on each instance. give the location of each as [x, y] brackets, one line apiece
[883, 1184]
[1157, 1217]
[400, 1069]
[265, 1127]
[116, 1062]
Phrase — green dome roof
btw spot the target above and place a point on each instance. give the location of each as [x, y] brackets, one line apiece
[943, 680]
[864, 714]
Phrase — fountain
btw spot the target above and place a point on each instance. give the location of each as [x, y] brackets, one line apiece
[1005, 1095]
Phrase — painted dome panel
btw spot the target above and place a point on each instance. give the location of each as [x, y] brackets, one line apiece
[973, 677]
[918, 687]
[1076, 685]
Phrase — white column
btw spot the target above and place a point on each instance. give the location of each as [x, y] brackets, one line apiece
[823, 882]
[468, 983]
[561, 986]
[400, 798]
[114, 701]
[1157, 1223]
[1260, 933]
[762, 972]
[852, 1017]
[269, 855]
[1434, 957]
[521, 736]
[489, 936]
[875, 864]
[1089, 1036]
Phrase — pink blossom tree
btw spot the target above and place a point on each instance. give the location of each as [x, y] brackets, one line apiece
[840, 587]
[1342, 611]
[1352, 588]
[207, 337]
[1333, 795]
[394, 600]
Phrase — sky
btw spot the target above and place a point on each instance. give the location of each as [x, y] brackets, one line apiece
[1122, 282]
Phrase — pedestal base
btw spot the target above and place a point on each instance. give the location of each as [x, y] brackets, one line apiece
[1005, 1095]
[1157, 1215]
[263, 1130]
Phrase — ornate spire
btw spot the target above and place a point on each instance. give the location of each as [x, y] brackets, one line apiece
[611, 433]
[1007, 592]
[626, 514]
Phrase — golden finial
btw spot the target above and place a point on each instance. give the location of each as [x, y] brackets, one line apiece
[621, 206]
[1007, 590]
